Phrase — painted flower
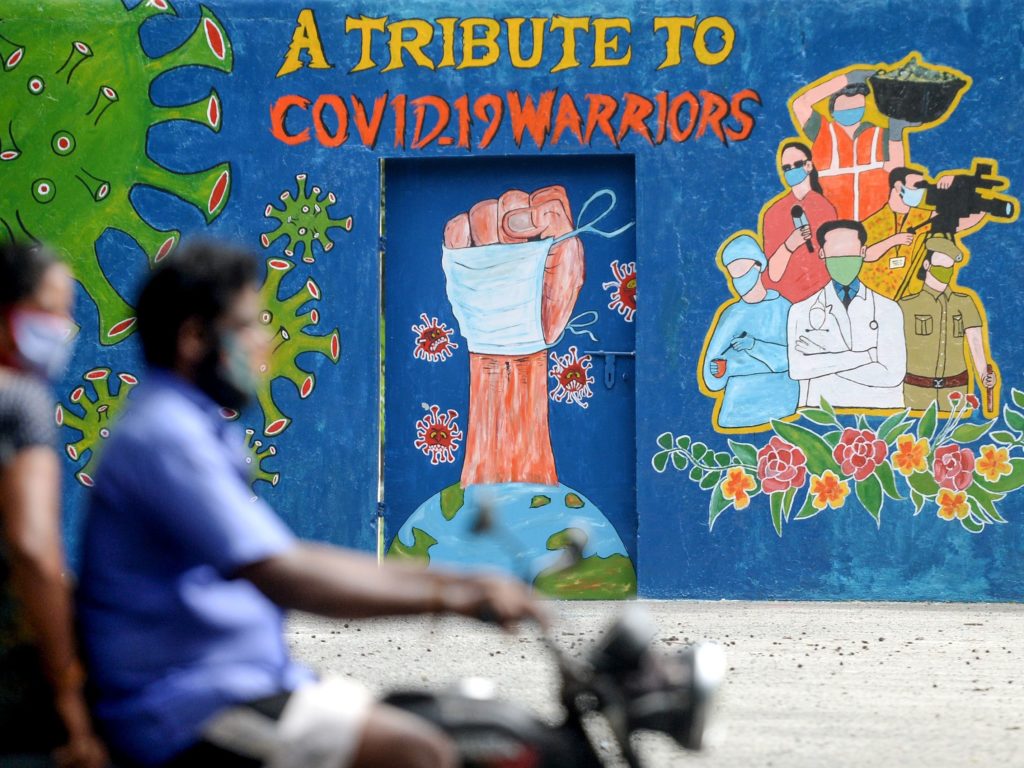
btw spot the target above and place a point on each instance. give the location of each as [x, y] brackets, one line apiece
[781, 466]
[736, 485]
[954, 396]
[994, 463]
[953, 467]
[952, 505]
[973, 401]
[859, 451]
[829, 490]
[910, 455]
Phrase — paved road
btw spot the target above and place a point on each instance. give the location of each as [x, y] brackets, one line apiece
[811, 684]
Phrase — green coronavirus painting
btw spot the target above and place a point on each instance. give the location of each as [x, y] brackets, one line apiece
[306, 219]
[76, 113]
[288, 322]
[92, 416]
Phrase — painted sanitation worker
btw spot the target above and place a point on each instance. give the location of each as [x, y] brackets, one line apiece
[184, 577]
[42, 706]
[853, 155]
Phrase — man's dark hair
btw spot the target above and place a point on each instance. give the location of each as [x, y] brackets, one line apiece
[815, 184]
[901, 174]
[198, 280]
[22, 266]
[854, 89]
[856, 226]
[921, 271]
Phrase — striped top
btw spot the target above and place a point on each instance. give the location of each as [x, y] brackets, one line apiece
[26, 420]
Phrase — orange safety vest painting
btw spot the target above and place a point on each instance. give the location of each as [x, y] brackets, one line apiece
[851, 171]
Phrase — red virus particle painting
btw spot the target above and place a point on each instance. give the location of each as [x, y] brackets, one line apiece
[433, 340]
[623, 297]
[572, 378]
[438, 434]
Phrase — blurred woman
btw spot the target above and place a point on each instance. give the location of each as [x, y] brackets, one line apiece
[42, 707]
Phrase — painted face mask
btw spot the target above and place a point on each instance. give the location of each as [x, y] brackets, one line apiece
[850, 116]
[43, 341]
[912, 197]
[795, 175]
[496, 290]
[942, 274]
[844, 269]
[745, 283]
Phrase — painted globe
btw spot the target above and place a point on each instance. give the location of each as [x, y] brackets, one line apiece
[549, 536]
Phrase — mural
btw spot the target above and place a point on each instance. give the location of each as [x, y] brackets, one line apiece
[826, 218]
[513, 268]
[305, 219]
[288, 320]
[92, 417]
[852, 305]
[83, 86]
[857, 231]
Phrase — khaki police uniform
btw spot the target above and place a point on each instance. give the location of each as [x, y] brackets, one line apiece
[935, 325]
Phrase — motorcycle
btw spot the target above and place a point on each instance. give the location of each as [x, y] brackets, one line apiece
[622, 680]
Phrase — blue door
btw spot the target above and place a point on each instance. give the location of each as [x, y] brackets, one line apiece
[510, 295]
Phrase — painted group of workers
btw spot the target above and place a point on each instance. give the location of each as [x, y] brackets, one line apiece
[850, 298]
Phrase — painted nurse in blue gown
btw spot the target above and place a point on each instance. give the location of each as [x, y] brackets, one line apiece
[746, 356]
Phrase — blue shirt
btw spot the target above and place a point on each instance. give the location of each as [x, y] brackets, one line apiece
[171, 636]
[843, 291]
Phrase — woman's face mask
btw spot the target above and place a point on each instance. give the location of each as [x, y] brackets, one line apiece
[795, 175]
[43, 341]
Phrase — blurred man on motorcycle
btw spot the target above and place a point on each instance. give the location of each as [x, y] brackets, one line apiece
[185, 578]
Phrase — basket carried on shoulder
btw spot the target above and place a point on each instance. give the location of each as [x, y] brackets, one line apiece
[916, 93]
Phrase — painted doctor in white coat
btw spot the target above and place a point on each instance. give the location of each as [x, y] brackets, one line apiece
[846, 342]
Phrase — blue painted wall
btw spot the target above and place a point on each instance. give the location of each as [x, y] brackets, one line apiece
[690, 197]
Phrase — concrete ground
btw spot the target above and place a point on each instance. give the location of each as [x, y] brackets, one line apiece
[810, 684]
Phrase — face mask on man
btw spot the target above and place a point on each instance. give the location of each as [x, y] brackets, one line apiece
[844, 269]
[850, 116]
[43, 341]
[911, 196]
[942, 274]
[225, 374]
[795, 175]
